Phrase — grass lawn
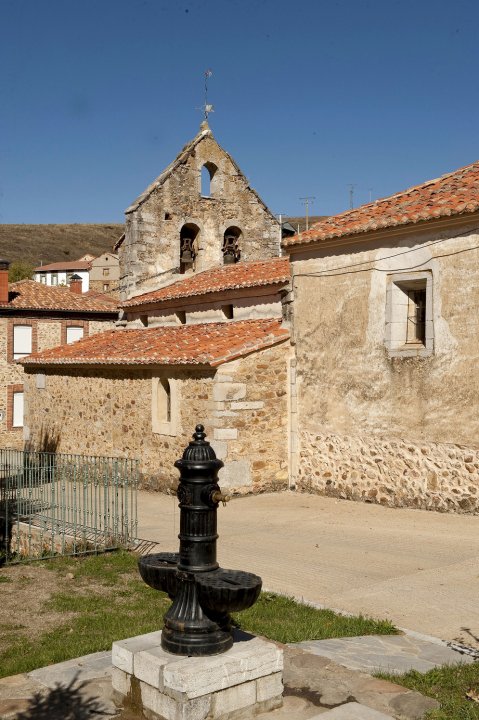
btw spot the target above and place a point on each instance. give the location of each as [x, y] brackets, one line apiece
[68, 607]
[448, 685]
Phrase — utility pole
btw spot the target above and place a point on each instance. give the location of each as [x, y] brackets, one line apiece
[307, 201]
[351, 195]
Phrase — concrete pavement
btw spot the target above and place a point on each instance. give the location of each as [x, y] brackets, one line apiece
[416, 568]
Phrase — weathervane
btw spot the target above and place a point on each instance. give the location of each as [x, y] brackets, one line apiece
[207, 108]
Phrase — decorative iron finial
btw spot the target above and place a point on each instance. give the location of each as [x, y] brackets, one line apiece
[199, 449]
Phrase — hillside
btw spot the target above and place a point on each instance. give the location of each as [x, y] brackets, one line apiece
[42, 244]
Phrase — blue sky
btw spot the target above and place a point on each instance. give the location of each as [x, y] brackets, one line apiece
[98, 96]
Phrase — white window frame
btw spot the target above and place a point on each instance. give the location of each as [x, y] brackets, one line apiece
[397, 313]
[159, 423]
[22, 346]
[69, 330]
[18, 409]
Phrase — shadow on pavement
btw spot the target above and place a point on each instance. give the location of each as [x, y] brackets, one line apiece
[64, 702]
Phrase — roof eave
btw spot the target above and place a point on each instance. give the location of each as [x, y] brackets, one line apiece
[211, 295]
[390, 231]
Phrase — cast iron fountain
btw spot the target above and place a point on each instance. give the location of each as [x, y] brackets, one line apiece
[203, 594]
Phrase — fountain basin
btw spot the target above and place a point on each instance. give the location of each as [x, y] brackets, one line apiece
[227, 591]
[158, 570]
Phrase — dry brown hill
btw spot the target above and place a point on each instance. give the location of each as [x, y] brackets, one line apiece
[41, 244]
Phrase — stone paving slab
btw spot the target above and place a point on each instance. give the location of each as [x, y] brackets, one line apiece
[89, 667]
[395, 654]
[354, 711]
[329, 686]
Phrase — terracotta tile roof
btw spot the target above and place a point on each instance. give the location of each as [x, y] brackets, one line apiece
[456, 193]
[64, 266]
[203, 344]
[226, 277]
[31, 295]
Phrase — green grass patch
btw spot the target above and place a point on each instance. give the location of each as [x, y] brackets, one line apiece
[285, 620]
[106, 600]
[106, 569]
[448, 685]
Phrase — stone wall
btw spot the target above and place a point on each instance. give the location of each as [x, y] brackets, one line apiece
[243, 406]
[47, 333]
[392, 472]
[150, 253]
[241, 306]
[113, 289]
[350, 384]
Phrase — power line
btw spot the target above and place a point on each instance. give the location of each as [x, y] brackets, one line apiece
[331, 272]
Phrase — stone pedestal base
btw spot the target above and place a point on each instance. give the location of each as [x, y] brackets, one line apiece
[247, 678]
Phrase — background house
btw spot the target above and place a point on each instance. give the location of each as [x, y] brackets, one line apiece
[105, 274]
[386, 329]
[97, 273]
[59, 273]
[34, 317]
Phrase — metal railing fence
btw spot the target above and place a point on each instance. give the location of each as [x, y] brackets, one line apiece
[55, 503]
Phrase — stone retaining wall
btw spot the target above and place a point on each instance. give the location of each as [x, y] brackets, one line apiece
[392, 472]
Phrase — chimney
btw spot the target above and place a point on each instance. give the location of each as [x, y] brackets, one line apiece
[76, 284]
[4, 265]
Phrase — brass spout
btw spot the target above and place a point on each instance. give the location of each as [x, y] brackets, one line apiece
[218, 497]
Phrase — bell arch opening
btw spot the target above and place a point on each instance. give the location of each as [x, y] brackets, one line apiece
[188, 245]
[231, 245]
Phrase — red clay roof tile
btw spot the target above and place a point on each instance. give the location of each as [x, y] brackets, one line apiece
[226, 277]
[202, 344]
[31, 295]
[449, 195]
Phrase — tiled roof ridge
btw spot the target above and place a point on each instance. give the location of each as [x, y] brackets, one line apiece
[66, 265]
[196, 344]
[32, 295]
[338, 226]
[223, 275]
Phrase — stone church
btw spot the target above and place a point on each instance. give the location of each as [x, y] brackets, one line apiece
[343, 360]
[201, 335]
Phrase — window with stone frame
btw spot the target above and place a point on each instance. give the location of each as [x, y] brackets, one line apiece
[409, 314]
[164, 405]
